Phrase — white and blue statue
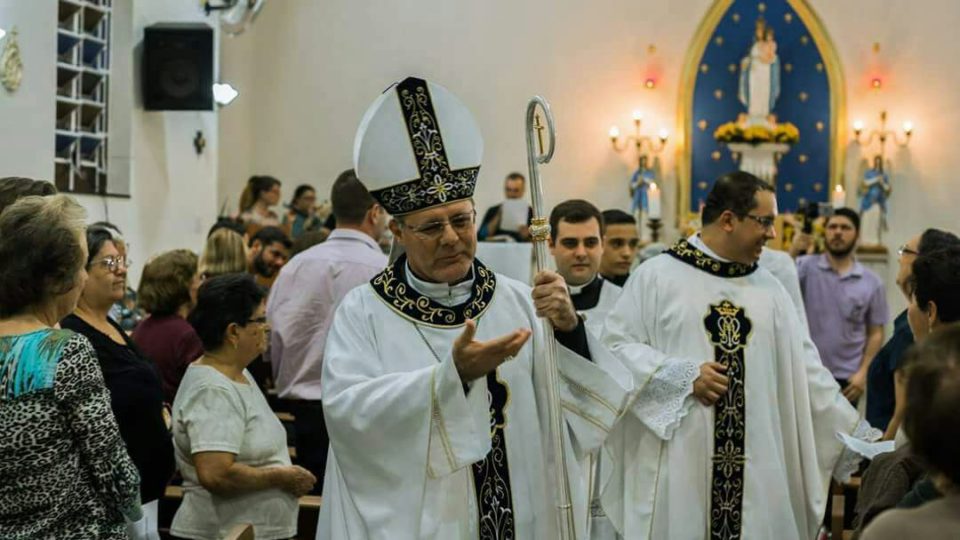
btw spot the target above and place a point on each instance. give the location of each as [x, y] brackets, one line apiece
[759, 85]
[874, 190]
[639, 186]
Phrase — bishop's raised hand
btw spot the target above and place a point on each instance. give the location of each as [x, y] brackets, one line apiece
[474, 359]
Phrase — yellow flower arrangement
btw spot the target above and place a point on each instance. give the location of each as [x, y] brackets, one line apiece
[732, 132]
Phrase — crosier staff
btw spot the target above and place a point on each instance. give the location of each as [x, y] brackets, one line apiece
[540, 233]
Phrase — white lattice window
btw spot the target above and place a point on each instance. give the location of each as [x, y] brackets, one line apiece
[83, 72]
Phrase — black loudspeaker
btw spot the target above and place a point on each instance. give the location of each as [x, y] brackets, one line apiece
[177, 68]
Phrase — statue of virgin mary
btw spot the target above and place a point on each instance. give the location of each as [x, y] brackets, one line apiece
[760, 76]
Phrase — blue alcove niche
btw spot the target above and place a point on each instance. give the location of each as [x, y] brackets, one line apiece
[811, 97]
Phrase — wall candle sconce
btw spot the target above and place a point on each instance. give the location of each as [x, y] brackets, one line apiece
[644, 191]
[881, 134]
[640, 142]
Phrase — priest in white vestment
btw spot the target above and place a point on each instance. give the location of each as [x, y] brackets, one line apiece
[734, 432]
[577, 247]
[433, 372]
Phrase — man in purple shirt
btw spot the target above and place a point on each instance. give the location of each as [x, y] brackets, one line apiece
[301, 306]
[845, 303]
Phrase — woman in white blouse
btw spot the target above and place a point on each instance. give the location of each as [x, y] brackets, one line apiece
[230, 447]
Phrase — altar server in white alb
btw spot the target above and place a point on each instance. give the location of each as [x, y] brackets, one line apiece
[433, 372]
[577, 247]
[734, 433]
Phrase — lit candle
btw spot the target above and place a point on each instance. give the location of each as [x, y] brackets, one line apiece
[653, 201]
[614, 132]
[839, 197]
[637, 116]
[908, 127]
[858, 125]
[663, 134]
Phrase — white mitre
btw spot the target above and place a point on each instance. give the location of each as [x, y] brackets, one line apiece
[417, 147]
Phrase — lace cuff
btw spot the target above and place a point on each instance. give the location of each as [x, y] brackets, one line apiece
[662, 403]
[849, 460]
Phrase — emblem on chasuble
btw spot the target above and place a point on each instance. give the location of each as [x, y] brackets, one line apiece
[491, 476]
[728, 329]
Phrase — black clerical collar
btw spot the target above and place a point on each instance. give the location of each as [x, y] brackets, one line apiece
[619, 281]
[687, 252]
[392, 285]
[586, 296]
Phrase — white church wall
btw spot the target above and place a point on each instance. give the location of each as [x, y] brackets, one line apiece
[27, 115]
[315, 66]
[173, 190]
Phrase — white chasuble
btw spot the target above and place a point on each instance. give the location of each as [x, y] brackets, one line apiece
[755, 465]
[417, 454]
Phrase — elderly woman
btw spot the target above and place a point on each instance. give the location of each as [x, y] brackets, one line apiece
[168, 291]
[932, 425]
[136, 395]
[231, 448]
[224, 253]
[65, 472]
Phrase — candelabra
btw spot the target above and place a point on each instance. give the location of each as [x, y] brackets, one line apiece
[883, 134]
[644, 144]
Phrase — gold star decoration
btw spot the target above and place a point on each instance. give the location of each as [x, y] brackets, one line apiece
[802, 158]
[704, 68]
[819, 126]
[788, 18]
[804, 40]
[818, 187]
[718, 93]
[761, 7]
[732, 68]
[820, 66]
[788, 187]
[702, 124]
[718, 41]
[736, 18]
[702, 186]
[803, 97]
[788, 68]
[715, 155]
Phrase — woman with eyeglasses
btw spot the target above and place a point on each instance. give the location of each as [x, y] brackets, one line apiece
[231, 449]
[136, 394]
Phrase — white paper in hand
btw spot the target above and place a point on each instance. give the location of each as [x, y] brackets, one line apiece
[866, 449]
[513, 214]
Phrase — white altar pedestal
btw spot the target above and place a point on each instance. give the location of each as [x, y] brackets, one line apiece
[759, 160]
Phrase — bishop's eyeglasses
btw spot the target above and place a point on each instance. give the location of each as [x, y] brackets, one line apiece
[433, 230]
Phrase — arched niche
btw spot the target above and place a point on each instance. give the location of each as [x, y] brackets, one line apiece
[812, 96]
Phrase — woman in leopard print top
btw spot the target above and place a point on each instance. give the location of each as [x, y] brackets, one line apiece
[64, 471]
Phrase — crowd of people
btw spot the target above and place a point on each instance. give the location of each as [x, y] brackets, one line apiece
[416, 380]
